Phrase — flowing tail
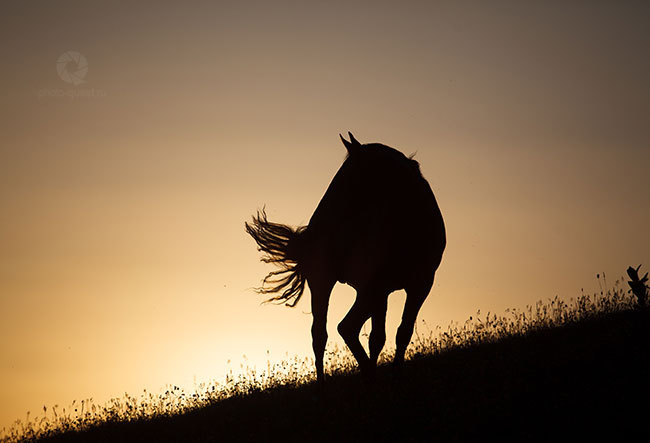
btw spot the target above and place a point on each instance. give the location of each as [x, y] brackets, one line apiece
[281, 246]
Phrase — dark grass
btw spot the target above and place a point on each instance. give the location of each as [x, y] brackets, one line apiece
[584, 380]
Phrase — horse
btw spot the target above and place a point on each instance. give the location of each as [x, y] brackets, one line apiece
[378, 228]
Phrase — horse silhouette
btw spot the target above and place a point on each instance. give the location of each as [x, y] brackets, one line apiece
[378, 228]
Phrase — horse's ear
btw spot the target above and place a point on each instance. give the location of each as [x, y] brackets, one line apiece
[353, 140]
[353, 145]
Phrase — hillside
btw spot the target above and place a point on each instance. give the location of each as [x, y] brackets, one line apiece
[585, 379]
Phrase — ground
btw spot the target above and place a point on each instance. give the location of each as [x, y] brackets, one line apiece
[584, 380]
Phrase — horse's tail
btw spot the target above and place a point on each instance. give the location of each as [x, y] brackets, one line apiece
[282, 246]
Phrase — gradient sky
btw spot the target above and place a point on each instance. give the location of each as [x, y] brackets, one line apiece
[124, 263]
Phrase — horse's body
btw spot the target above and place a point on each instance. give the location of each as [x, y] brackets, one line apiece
[378, 228]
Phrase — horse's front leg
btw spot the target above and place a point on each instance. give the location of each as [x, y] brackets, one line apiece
[350, 327]
[320, 296]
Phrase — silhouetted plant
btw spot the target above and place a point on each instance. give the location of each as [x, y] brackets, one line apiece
[638, 286]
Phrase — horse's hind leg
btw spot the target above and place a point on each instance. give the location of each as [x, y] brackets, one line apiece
[320, 295]
[378, 333]
[415, 296]
[350, 327]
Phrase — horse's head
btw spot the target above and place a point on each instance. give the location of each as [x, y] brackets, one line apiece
[378, 156]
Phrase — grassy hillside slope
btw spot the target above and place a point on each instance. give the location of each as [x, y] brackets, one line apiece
[586, 379]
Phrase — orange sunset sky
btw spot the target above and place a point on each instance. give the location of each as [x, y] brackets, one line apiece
[124, 263]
